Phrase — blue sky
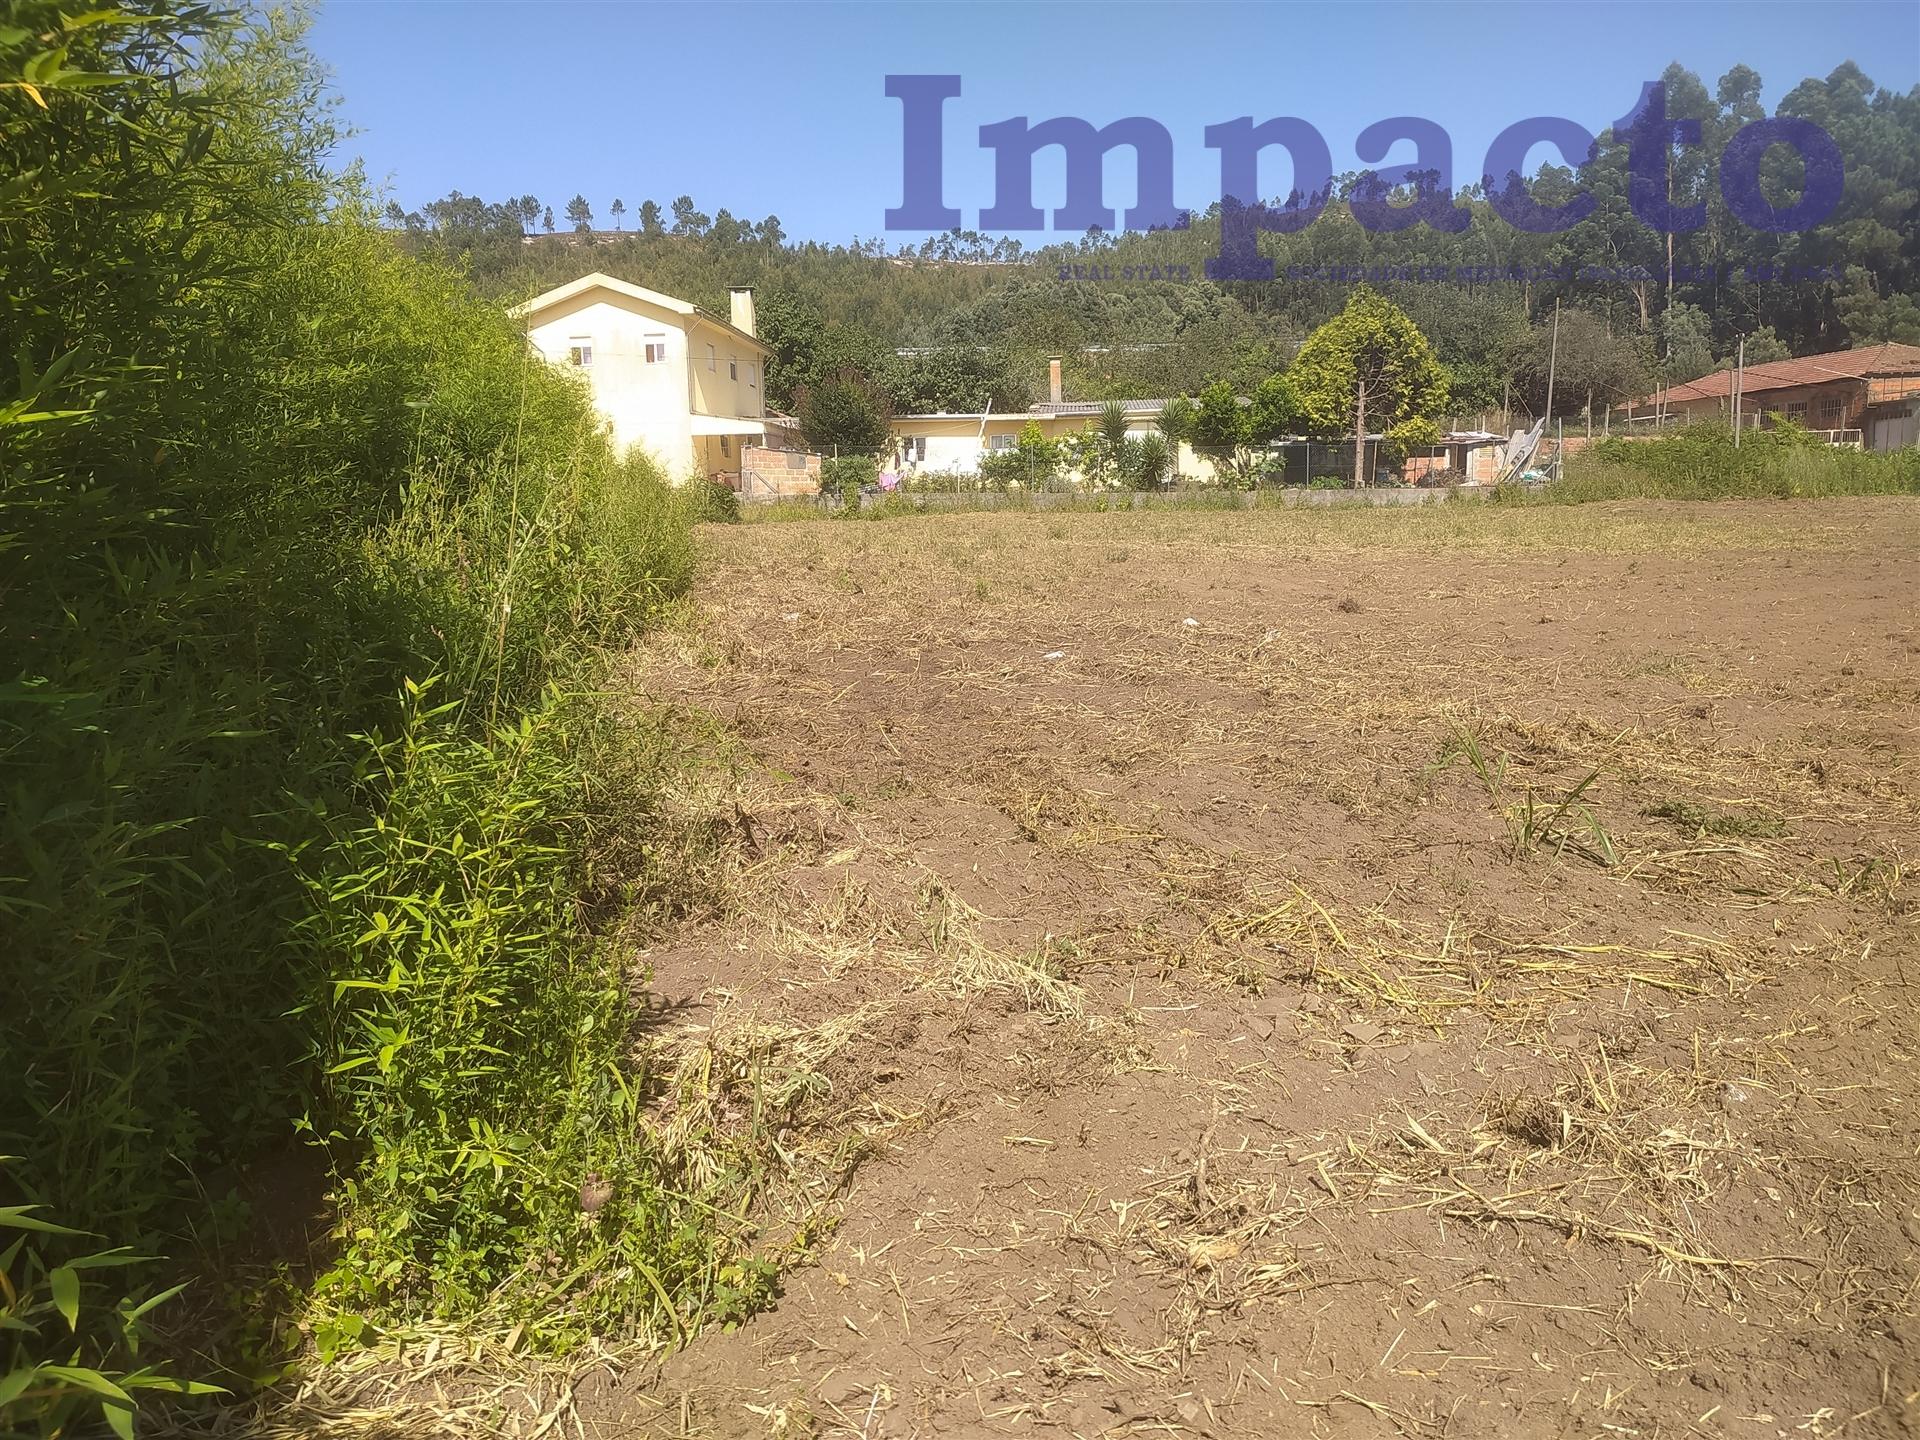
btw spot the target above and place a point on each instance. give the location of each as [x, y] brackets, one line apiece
[780, 108]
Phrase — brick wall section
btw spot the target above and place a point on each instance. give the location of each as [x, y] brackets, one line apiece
[1834, 405]
[778, 474]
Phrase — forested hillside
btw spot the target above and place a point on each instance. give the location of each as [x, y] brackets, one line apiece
[1149, 323]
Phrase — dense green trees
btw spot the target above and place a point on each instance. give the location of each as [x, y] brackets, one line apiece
[1686, 336]
[1216, 418]
[1368, 367]
[965, 379]
[843, 411]
[1590, 366]
[1107, 457]
[689, 221]
[1233, 432]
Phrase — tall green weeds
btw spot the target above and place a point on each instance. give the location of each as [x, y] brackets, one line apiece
[1701, 462]
[305, 569]
[470, 1032]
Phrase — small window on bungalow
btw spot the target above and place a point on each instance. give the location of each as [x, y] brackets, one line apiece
[656, 349]
[1004, 441]
[726, 446]
[710, 357]
[733, 367]
[580, 351]
[1832, 410]
[753, 375]
[915, 451]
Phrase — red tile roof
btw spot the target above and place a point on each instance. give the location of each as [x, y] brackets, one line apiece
[1857, 364]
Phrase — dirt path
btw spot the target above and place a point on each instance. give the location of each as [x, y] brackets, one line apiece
[1176, 933]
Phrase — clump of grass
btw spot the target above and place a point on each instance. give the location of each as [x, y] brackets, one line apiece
[1534, 824]
[1701, 821]
[707, 502]
[1527, 1118]
[969, 967]
[471, 1035]
[1609, 1155]
[1463, 743]
[52, 1284]
[1038, 978]
[1381, 958]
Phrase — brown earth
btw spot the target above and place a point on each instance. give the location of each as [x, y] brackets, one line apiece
[1352, 973]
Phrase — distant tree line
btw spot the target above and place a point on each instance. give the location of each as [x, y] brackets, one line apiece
[982, 313]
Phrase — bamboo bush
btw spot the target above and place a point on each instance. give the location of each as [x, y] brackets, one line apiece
[307, 567]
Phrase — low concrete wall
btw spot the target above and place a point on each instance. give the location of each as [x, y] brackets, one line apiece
[1221, 499]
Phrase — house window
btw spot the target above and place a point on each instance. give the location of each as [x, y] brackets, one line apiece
[1797, 411]
[710, 358]
[733, 367]
[1003, 441]
[1832, 410]
[580, 351]
[914, 449]
[656, 349]
[753, 376]
[726, 446]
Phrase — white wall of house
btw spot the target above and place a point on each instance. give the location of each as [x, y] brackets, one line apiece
[949, 455]
[951, 448]
[956, 444]
[653, 367]
[645, 401]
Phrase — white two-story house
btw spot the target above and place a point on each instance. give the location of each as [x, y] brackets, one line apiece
[685, 386]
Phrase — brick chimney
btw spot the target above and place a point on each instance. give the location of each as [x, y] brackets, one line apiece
[741, 297]
[1053, 378]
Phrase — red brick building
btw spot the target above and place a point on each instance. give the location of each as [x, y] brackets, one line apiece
[1868, 396]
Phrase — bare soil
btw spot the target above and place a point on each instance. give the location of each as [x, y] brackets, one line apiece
[1262, 973]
